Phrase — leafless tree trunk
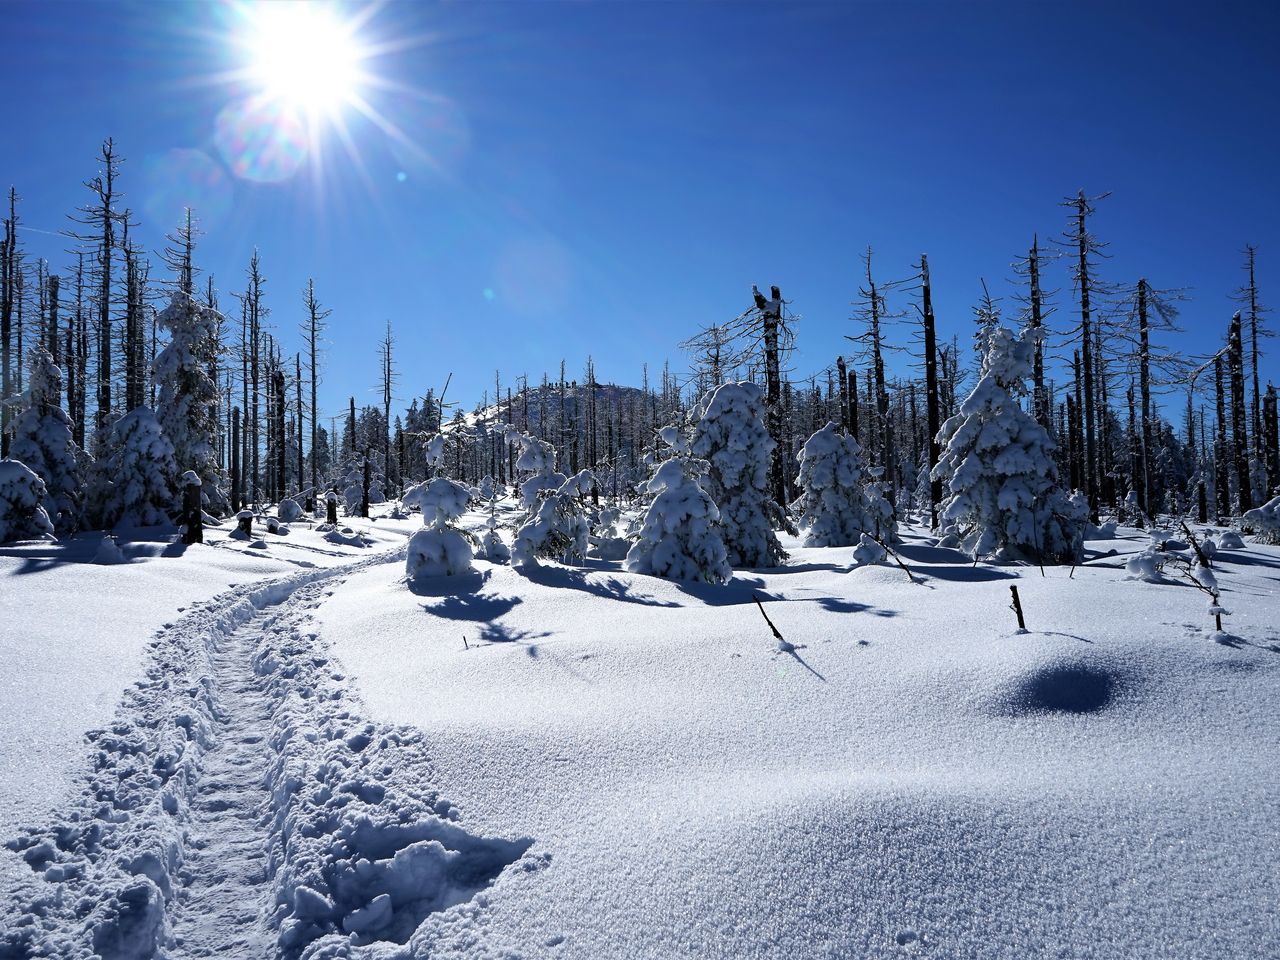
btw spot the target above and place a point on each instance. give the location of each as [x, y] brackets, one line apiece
[1235, 353]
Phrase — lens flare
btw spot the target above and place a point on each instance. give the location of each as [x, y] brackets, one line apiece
[261, 139]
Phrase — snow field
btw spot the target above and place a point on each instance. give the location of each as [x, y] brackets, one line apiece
[914, 779]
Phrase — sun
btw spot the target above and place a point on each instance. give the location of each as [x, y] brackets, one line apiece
[303, 55]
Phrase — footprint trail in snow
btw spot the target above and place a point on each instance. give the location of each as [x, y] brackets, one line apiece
[240, 806]
[220, 911]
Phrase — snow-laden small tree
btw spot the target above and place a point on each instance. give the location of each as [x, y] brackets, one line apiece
[1264, 522]
[42, 440]
[439, 549]
[538, 458]
[835, 506]
[997, 466]
[729, 434]
[492, 547]
[22, 499]
[558, 527]
[187, 403]
[681, 535]
[140, 473]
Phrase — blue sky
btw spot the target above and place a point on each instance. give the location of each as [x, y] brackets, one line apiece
[605, 178]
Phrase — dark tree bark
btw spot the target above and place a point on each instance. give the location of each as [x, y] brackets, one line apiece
[1078, 236]
[1272, 430]
[1240, 443]
[931, 388]
[1221, 478]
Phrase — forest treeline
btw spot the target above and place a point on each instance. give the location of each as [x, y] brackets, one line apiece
[151, 371]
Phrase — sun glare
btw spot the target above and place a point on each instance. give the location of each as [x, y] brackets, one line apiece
[303, 55]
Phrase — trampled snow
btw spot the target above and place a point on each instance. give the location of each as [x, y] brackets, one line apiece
[76, 627]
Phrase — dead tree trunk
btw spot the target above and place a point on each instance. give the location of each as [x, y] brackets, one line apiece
[1221, 474]
[1240, 443]
[931, 389]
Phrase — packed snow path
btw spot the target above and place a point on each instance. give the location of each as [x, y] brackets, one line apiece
[220, 911]
[239, 806]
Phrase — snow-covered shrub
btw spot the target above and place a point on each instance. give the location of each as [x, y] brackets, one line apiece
[557, 528]
[1263, 522]
[1146, 565]
[492, 546]
[187, 404]
[730, 436]
[1231, 540]
[42, 441]
[537, 457]
[882, 515]
[140, 473]
[868, 552]
[108, 552]
[681, 536]
[606, 542]
[1106, 531]
[289, 511]
[439, 549]
[997, 466]
[833, 504]
[22, 499]
[949, 537]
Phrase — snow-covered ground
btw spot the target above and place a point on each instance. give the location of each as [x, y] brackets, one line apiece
[583, 762]
[74, 635]
[915, 778]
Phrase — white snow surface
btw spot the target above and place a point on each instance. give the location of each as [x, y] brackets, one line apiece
[914, 779]
[584, 762]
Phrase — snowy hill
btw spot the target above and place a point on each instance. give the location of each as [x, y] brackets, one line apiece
[537, 402]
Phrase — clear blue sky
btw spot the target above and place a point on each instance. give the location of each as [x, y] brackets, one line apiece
[604, 178]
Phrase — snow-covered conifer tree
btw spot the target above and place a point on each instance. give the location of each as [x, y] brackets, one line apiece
[997, 465]
[439, 549]
[730, 435]
[187, 403]
[834, 505]
[681, 535]
[140, 473]
[537, 457]
[1264, 522]
[22, 498]
[42, 440]
[557, 527]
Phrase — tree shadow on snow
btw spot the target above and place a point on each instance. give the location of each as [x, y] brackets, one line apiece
[737, 591]
[450, 587]
[608, 588]
[473, 606]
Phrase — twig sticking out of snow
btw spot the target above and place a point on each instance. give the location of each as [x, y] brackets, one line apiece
[1016, 607]
[783, 645]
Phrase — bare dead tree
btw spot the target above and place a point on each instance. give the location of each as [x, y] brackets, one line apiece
[1086, 248]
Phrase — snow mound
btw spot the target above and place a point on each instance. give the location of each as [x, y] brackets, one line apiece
[1230, 540]
[108, 552]
[289, 511]
[345, 537]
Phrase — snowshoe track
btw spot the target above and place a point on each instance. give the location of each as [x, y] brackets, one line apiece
[238, 806]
